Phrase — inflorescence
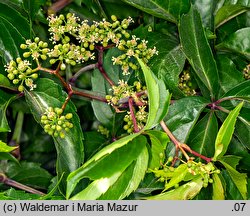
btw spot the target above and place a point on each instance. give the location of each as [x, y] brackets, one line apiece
[120, 95]
[76, 42]
[55, 123]
[166, 172]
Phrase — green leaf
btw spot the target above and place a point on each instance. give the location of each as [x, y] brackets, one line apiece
[119, 8]
[232, 160]
[240, 91]
[229, 75]
[14, 30]
[184, 192]
[8, 156]
[129, 181]
[33, 6]
[237, 42]
[103, 154]
[5, 148]
[231, 191]
[158, 97]
[13, 194]
[239, 179]
[103, 111]
[159, 141]
[121, 154]
[148, 185]
[227, 12]
[206, 9]
[218, 190]
[242, 129]
[5, 99]
[4, 81]
[29, 173]
[168, 66]
[180, 121]
[70, 152]
[93, 142]
[237, 148]
[178, 176]
[96, 7]
[195, 46]
[225, 133]
[169, 10]
[169, 62]
[203, 135]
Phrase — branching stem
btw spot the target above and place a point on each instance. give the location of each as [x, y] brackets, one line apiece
[5, 180]
[183, 147]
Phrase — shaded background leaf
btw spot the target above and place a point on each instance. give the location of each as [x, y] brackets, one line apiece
[16, 25]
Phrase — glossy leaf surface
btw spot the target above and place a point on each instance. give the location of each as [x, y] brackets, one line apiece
[198, 51]
[225, 133]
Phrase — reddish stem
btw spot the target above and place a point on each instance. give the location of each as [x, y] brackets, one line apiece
[100, 50]
[4, 179]
[196, 153]
[182, 146]
[69, 87]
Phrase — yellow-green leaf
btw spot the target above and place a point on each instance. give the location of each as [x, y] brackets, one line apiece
[225, 133]
[5, 148]
[218, 190]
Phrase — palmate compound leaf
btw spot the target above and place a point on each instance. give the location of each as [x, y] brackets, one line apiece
[70, 152]
[184, 192]
[197, 49]
[115, 171]
[225, 133]
[158, 97]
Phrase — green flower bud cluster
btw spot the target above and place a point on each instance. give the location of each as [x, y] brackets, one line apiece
[69, 54]
[37, 49]
[104, 131]
[123, 91]
[99, 33]
[103, 32]
[20, 73]
[56, 124]
[164, 173]
[133, 48]
[205, 170]
[246, 72]
[185, 84]
[59, 25]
